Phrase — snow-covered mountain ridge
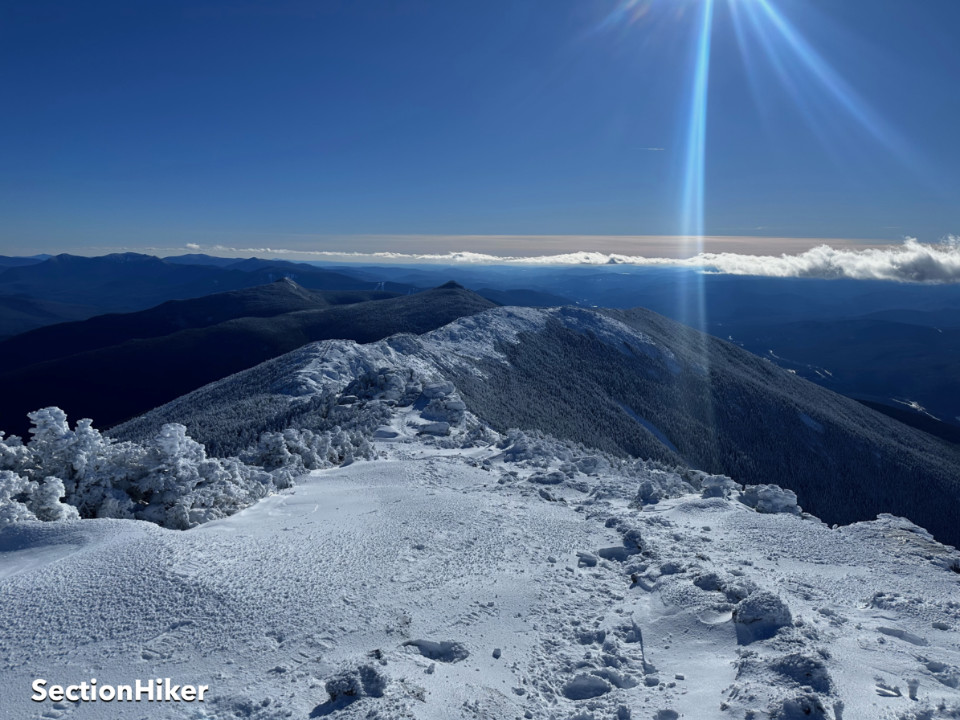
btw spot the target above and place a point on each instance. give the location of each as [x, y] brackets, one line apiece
[627, 382]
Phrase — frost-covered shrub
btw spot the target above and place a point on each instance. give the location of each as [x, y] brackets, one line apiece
[23, 500]
[301, 450]
[64, 473]
[46, 502]
[592, 464]
[52, 442]
[13, 453]
[535, 449]
[656, 484]
[14, 492]
[649, 493]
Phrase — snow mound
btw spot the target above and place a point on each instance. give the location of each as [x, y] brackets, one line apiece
[760, 616]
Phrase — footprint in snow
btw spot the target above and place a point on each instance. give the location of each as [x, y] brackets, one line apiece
[448, 651]
[884, 690]
[57, 711]
[903, 635]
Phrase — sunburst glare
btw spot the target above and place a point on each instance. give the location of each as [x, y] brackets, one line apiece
[815, 87]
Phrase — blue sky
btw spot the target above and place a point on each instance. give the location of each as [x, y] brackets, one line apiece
[155, 124]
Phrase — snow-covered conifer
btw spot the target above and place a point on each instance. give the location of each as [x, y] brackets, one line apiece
[46, 502]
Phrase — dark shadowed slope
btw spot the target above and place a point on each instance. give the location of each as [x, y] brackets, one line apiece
[524, 298]
[21, 313]
[630, 382]
[7, 262]
[115, 383]
[723, 410]
[65, 339]
[916, 419]
[871, 358]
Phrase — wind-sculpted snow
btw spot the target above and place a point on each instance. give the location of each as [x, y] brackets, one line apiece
[436, 583]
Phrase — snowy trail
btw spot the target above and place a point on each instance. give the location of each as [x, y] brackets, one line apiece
[380, 563]
[352, 561]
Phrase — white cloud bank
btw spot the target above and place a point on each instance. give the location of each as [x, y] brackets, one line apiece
[912, 261]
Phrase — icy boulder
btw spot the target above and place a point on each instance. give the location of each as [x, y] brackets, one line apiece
[445, 409]
[435, 428]
[552, 478]
[437, 389]
[712, 486]
[759, 616]
[804, 706]
[770, 499]
[805, 670]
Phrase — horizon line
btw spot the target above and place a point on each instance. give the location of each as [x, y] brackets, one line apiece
[308, 246]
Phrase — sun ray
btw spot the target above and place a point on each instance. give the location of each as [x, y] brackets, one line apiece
[817, 68]
[694, 182]
[691, 291]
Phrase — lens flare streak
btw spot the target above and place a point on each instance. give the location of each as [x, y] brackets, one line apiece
[694, 181]
[781, 40]
[695, 165]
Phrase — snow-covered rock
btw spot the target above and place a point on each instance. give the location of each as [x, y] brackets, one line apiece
[770, 499]
[760, 615]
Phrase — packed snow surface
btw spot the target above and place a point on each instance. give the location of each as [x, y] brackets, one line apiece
[438, 583]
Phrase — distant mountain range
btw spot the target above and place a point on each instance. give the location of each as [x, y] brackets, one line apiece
[889, 345]
[69, 287]
[128, 364]
[262, 301]
[44, 290]
[628, 382]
